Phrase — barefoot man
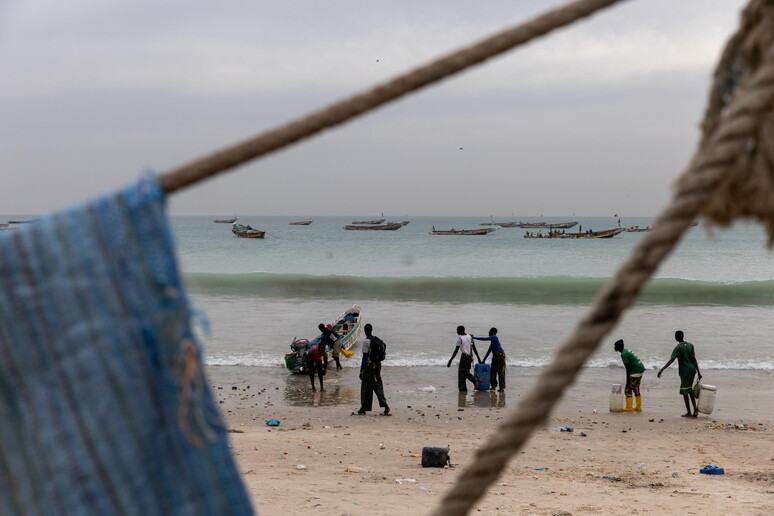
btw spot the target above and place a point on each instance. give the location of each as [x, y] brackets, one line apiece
[688, 369]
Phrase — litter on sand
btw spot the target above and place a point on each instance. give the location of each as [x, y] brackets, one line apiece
[407, 480]
[429, 388]
[712, 469]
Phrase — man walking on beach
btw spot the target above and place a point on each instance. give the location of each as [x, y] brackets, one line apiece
[371, 375]
[688, 369]
[497, 374]
[466, 345]
[634, 372]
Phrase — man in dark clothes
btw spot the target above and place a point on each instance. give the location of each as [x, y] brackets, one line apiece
[497, 374]
[371, 379]
[317, 362]
[329, 338]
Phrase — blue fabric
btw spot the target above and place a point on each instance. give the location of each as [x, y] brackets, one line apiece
[104, 407]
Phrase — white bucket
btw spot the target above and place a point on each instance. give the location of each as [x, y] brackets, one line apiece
[706, 401]
[616, 398]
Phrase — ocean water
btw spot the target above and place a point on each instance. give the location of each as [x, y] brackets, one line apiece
[415, 288]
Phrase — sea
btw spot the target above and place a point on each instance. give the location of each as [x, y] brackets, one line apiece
[253, 297]
[416, 288]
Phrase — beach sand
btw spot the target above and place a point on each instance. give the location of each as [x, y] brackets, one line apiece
[633, 463]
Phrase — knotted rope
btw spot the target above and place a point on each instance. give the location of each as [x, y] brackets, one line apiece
[340, 112]
[730, 176]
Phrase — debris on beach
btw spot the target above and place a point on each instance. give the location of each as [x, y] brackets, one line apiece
[356, 469]
[407, 480]
[429, 388]
[731, 426]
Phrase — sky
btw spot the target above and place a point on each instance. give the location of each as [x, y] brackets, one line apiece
[595, 119]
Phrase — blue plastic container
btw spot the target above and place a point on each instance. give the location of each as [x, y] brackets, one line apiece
[712, 469]
[482, 373]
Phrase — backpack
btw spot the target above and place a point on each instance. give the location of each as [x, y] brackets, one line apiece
[377, 350]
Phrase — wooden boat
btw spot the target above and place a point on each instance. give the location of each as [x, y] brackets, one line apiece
[245, 231]
[507, 224]
[390, 226]
[33, 220]
[225, 221]
[347, 325]
[608, 233]
[541, 225]
[637, 229]
[366, 222]
[300, 223]
[482, 231]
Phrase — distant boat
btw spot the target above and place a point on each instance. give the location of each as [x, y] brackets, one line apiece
[245, 231]
[3, 226]
[225, 221]
[482, 231]
[27, 221]
[540, 225]
[607, 233]
[390, 226]
[375, 221]
[300, 223]
[637, 229]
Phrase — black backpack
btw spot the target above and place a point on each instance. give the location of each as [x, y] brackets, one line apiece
[377, 350]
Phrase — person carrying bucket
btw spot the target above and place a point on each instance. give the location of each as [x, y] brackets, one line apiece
[634, 372]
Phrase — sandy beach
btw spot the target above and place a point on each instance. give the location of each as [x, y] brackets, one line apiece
[639, 463]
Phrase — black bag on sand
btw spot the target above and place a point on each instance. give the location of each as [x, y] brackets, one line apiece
[433, 457]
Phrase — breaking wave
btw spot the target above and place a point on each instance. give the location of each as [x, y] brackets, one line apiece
[555, 290]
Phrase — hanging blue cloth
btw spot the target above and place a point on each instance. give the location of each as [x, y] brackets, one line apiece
[104, 406]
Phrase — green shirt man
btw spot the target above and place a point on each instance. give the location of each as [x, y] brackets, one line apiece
[631, 362]
[688, 368]
[634, 371]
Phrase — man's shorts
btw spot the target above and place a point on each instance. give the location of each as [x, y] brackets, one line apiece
[686, 383]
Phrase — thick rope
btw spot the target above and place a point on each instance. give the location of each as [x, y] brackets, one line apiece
[728, 153]
[340, 112]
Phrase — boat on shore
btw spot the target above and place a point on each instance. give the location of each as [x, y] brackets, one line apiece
[225, 221]
[347, 325]
[390, 226]
[607, 233]
[482, 231]
[368, 222]
[300, 223]
[245, 231]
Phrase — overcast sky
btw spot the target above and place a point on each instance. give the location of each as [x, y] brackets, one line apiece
[595, 119]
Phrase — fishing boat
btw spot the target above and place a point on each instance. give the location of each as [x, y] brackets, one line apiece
[347, 325]
[482, 231]
[390, 226]
[607, 233]
[540, 225]
[367, 222]
[33, 220]
[225, 221]
[245, 231]
[300, 223]
[637, 229]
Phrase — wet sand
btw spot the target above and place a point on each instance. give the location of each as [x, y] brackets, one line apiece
[639, 463]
